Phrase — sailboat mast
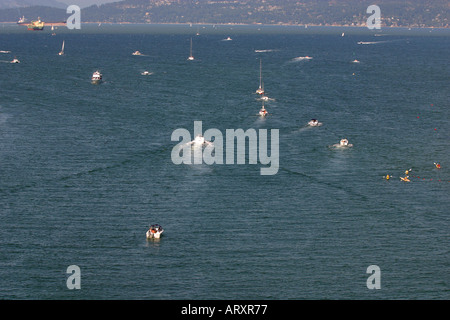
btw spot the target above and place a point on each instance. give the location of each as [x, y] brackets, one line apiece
[260, 73]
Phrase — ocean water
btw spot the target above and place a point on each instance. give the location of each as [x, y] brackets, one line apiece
[85, 169]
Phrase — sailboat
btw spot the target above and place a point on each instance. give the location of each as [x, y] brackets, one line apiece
[191, 57]
[61, 53]
[260, 90]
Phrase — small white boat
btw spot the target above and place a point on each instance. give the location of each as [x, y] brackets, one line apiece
[136, 53]
[355, 61]
[344, 143]
[61, 53]
[146, 73]
[199, 141]
[96, 77]
[314, 123]
[228, 39]
[263, 112]
[154, 232]
[15, 61]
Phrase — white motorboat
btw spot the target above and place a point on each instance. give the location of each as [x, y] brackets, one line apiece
[200, 141]
[15, 61]
[263, 112]
[355, 61]
[136, 53]
[146, 73]
[314, 123]
[154, 232]
[344, 144]
[96, 77]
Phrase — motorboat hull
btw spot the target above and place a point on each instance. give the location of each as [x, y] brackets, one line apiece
[151, 235]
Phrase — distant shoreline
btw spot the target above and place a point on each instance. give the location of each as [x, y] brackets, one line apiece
[232, 24]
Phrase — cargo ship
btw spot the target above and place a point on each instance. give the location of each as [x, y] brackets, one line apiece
[36, 25]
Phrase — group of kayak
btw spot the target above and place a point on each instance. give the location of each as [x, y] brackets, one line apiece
[406, 177]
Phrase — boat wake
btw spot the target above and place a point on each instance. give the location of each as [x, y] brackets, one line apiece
[311, 124]
[371, 42]
[298, 59]
[265, 98]
[3, 118]
[2, 51]
[266, 50]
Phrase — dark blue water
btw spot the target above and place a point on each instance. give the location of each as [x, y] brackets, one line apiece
[85, 169]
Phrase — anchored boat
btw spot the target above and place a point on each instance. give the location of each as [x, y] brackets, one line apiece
[36, 25]
[154, 232]
[96, 77]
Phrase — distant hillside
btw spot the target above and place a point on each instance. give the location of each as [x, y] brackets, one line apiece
[407, 13]
[11, 4]
[32, 13]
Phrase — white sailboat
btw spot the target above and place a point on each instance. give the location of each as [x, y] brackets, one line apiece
[260, 90]
[61, 53]
[191, 57]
